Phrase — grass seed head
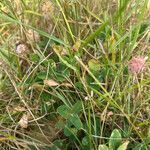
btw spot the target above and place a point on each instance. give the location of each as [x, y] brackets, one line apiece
[47, 9]
[33, 36]
[1, 63]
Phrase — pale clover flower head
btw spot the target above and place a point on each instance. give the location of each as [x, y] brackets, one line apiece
[22, 49]
[33, 36]
[137, 64]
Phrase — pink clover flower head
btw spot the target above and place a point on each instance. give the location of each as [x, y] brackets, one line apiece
[137, 64]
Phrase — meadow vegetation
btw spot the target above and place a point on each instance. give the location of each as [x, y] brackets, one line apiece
[74, 75]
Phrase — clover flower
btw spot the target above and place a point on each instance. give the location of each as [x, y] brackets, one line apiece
[137, 64]
[22, 49]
